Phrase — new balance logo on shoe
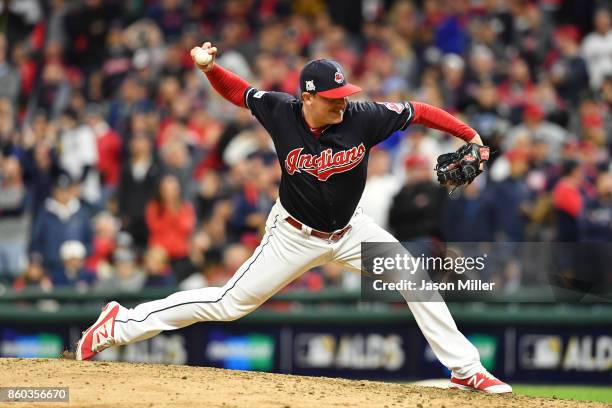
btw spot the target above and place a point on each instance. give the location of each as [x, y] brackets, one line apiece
[102, 335]
[475, 382]
[483, 381]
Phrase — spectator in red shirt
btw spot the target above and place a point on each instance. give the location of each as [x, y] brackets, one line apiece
[106, 227]
[108, 144]
[171, 221]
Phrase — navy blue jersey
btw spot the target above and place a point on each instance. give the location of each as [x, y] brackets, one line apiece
[323, 178]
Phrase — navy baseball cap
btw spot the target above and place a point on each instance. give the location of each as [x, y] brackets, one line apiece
[326, 78]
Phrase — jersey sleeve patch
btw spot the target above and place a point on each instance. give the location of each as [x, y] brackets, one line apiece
[393, 106]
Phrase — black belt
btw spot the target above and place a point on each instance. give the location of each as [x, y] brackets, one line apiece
[330, 236]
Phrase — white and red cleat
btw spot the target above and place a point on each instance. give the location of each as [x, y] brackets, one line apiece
[482, 381]
[99, 336]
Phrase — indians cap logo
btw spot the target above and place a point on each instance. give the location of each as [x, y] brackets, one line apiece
[310, 86]
[326, 163]
[338, 77]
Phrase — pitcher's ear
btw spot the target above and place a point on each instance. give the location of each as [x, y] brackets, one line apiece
[307, 97]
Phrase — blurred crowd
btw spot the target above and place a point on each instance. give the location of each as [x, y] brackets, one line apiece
[121, 168]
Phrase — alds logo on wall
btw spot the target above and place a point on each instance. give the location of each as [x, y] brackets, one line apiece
[326, 163]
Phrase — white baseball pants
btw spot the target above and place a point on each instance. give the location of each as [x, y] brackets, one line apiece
[284, 254]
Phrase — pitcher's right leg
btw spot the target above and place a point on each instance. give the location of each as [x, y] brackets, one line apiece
[283, 255]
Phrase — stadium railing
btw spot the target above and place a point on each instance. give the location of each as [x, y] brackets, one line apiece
[330, 305]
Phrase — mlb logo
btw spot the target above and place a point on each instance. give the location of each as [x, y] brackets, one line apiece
[310, 87]
[339, 78]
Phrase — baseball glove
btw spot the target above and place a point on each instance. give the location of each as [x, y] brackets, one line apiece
[462, 166]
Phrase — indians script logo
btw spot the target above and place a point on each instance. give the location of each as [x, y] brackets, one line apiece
[326, 163]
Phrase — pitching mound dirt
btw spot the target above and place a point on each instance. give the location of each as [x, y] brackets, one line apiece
[118, 385]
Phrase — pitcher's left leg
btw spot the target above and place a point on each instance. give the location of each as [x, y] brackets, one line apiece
[434, 319]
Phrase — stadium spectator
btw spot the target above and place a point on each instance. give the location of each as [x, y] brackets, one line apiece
[420, 141]
[380, 188]
[132, 99]
[210, 241]
[233, 256]
[9, 76]
[78, 155]
[8, 132]
[56, 31]
[26, 66]
[52, 91]
[535, 126]
[595, 220]
[211, 190]
[14, 218]
[466, 216]
[568, 201]
[62, 218]
[157, 268]
[87, 25]
[569, 71]
[177, 161]
[511, 199]
[39, 169]
[139, 179]
[196, 280]
[170, 16]
[595, 232]
[126, 275]
[454, 84]
[606, 104]
[108, 146]
[252, 202]
[597, 47]
[533, 36]
[517, 90]
[482, 66]
[484, 113]
[105, 227]
[34, 277]
[73, 273]
[170, 223]
[415, 210]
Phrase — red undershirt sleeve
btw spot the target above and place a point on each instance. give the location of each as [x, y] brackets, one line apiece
[436, 118]
[229, 85]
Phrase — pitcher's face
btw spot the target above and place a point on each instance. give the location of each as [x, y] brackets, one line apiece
[326, 111]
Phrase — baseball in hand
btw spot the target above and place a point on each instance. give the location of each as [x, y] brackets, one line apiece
[201, 56]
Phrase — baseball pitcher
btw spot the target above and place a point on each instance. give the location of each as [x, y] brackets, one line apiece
[322, 141]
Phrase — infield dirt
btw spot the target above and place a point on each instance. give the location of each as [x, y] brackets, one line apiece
[119, 385]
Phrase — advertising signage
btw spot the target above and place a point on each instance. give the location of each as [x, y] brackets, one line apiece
[385, 351]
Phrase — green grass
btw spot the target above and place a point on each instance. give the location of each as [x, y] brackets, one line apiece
[575, 392]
